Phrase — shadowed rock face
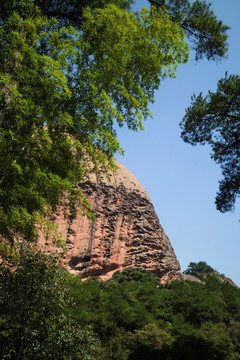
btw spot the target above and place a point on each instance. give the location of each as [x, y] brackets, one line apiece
[126, 231]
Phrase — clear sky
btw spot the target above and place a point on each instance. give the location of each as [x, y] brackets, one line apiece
[182, 180]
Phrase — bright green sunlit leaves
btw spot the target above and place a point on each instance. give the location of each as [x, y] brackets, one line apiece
[63, 90]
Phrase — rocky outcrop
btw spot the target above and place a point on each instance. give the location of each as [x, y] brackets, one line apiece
[126, 232]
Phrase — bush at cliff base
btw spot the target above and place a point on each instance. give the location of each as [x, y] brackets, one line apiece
[34, 323]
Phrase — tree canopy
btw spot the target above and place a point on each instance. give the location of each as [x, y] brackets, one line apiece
[70, 72]
[62, 92]
[199, 269]
[34, 323]
[215, 120]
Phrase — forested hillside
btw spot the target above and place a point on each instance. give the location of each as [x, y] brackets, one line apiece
[135, 317]
[46, 313]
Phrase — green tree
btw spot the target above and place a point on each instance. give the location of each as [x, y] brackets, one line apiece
[215, 120]
[135, 274]
[150, 342]
[218, 341]
[198, 269]
[63, 90]
[206, 34]
[34, 323]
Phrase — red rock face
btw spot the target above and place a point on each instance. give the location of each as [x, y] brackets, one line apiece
[126, 232]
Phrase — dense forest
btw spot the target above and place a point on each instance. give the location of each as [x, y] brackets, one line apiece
[47, 313]
[136, 317]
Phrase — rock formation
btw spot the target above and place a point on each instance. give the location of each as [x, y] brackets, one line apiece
[126, 231]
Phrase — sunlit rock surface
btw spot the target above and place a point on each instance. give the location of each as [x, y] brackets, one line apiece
[126, 231]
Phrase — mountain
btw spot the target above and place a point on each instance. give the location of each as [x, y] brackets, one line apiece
[126, 232]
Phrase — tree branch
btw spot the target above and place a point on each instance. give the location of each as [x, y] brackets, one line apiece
[214, 116]
[67, 16]
[156, 2]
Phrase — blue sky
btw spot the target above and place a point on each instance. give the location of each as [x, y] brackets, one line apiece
[182, 180]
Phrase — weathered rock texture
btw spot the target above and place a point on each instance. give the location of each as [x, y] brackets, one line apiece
[126, 231]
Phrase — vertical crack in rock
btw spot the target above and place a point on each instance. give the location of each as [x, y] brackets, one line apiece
[126, 232]
[92, 226]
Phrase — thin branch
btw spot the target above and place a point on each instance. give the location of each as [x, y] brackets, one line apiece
[67, 16]
[156, 2]
[214, 116]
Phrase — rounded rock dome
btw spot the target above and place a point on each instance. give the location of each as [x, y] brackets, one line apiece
[125, 233]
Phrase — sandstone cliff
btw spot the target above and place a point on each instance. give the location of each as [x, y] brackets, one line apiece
[126, 231]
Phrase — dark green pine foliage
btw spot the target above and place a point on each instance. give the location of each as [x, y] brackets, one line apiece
[207, 34]
[215, 120]
[198, 269]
